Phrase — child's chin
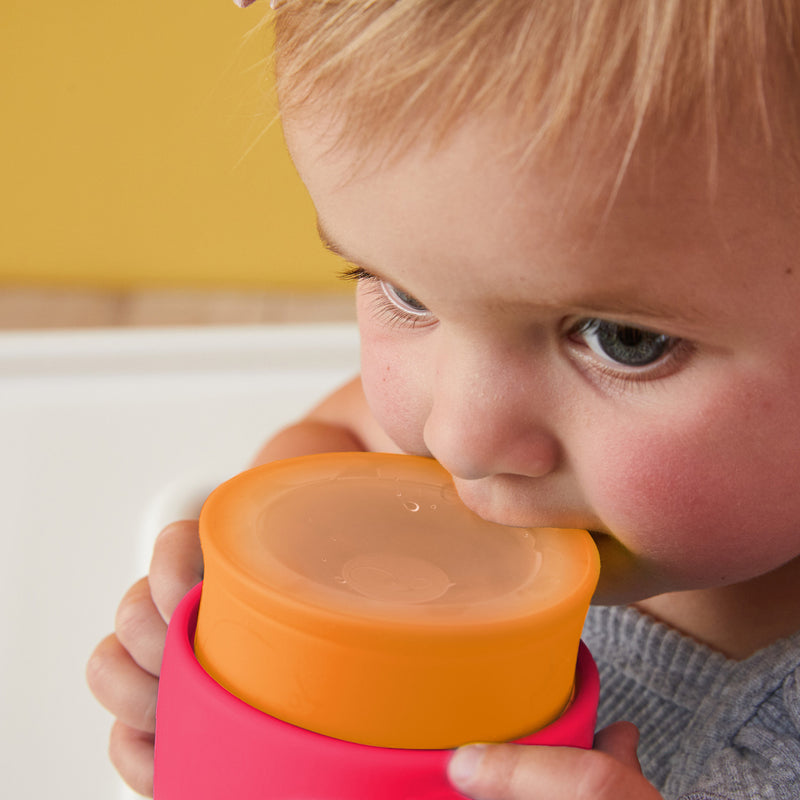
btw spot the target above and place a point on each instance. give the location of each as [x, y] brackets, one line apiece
[622, 581]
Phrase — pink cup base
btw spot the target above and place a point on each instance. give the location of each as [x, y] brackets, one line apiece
[210, 745]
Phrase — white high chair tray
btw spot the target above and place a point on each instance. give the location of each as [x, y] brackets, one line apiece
[105, 436]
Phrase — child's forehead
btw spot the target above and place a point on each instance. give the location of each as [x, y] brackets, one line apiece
[643, 247]
[582, 188]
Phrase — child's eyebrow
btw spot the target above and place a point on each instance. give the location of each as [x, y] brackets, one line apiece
[621, 308]
[330, 244]
[608, 305]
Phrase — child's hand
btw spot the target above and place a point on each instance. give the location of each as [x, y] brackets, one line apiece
[521, 772]
[123, 670]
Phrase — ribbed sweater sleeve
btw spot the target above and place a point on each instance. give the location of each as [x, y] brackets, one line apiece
[711, 728]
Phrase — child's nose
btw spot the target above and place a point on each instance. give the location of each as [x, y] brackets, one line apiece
[487, 419]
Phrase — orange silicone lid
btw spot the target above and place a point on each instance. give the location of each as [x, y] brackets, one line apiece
[354, 595]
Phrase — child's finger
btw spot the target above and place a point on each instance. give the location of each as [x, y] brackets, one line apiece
[131, 752]
[520, 772]
[176, 566]
[140, 628]
[122, 686]
[620, 740]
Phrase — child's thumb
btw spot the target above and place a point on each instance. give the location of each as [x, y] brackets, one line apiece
[610, 771]
[620, 741]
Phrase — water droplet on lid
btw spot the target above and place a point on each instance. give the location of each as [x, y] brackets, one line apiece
[411, 506]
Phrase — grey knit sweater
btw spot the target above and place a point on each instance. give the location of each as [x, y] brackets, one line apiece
[710, 727]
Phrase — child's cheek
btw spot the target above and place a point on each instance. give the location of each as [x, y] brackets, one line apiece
[395, 392]
[653, 497]
[702, 495]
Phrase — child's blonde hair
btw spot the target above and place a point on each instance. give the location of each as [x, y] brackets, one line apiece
[397, 72]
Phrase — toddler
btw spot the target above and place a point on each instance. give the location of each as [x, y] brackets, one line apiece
[574, 226]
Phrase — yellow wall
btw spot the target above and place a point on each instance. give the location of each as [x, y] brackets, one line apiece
[132, 154]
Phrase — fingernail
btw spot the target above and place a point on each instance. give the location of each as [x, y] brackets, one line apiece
[466, 763]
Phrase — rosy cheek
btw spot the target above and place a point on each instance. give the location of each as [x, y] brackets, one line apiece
[651, 490]
[649, 499]
[685, 497]
[394, 392]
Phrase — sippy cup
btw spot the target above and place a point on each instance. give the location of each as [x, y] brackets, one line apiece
[356, 623]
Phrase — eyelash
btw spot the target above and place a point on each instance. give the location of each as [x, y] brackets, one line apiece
[387, 310]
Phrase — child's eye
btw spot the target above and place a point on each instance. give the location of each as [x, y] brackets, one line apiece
[405, 303]
[624, 345]
[391, 304]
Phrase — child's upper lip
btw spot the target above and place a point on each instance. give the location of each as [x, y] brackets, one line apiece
[536, 518]
[506, 504]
